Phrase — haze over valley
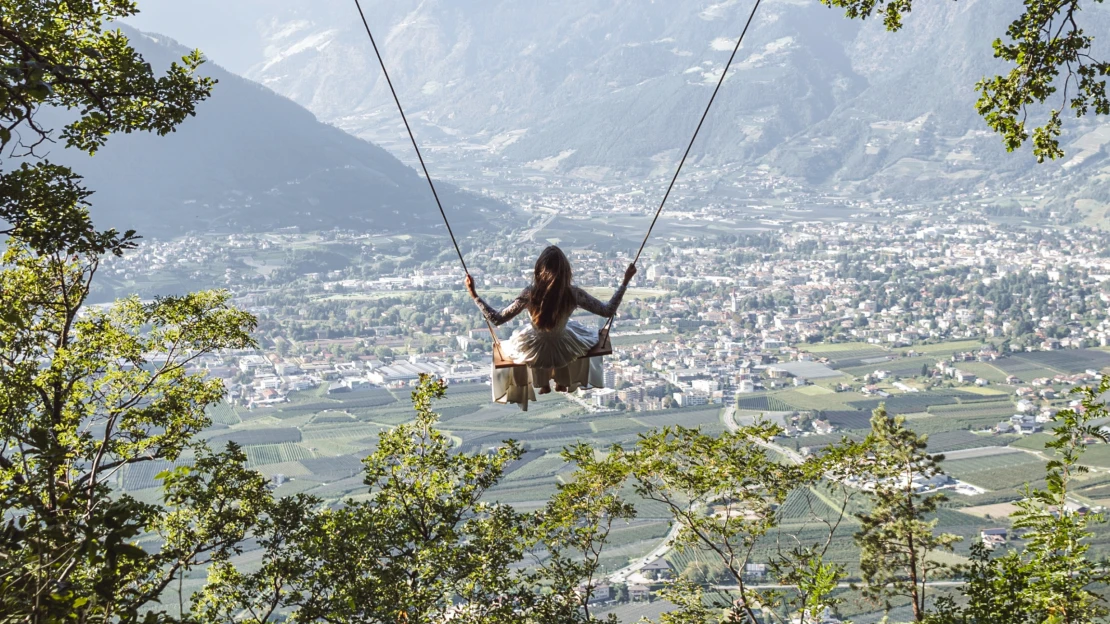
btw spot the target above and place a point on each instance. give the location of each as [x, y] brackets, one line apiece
[608, 92]
[850, 260]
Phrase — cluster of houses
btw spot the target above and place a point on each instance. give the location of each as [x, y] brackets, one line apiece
[1021, 424]
[640, 585]
[1029, 419]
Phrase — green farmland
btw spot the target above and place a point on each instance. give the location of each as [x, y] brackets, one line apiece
[316, 443]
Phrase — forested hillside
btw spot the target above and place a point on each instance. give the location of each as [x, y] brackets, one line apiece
[253, 160]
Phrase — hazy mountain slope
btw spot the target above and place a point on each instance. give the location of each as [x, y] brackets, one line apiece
[252, 159]
[617, 85]
[917, 108]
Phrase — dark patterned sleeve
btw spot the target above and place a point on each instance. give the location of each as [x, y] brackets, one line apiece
[504, 316]
[587, 302]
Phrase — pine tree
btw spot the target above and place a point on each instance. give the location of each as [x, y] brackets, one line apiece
[896, 538]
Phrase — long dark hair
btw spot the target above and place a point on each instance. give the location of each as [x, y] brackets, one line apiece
[552, 297]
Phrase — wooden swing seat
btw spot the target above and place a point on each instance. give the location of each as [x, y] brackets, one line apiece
[603, 347]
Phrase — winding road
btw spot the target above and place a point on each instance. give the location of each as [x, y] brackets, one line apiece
[664, 547]
[728, 420]
[529, 236]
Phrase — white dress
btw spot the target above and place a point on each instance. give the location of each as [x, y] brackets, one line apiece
[548, 354]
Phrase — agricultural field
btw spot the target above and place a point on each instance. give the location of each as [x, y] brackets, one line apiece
[1024, 370]
[976, 409]
[1028, 366]
[250, 437]
[536, 464]
[901, 367]
[142, 476]
[315, 401]
[813, 391]
[635, 339]
[317, 442]
[850, 355]
[1096, 455]
[708, 418]
[261, 455]
[988, 512]
[224, 414]
[906, 403]
[1094, 487]
[952, 442]
[984, 370]
[640, 611]
[932, 410]
[814, 441]
[839, 350]
[1034, 442]
[763, 403]
[617, 424]
[849, 419]
[1068, 361]
[997, 471]
[801, 522]
[945, 349]
[863, 358]
[815, 398]
[986, 391]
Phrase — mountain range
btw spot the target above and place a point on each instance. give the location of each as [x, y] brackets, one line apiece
[254, 160]
[613, 88]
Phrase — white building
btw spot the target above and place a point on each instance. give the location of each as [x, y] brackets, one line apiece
[604, 397]
[690, 399]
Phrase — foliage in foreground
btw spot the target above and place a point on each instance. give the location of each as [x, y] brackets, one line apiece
[87, 395]
[1052, 67]
[82, 402]
[59, 54]
[81, 399]
[425, 545]
[1052, 579]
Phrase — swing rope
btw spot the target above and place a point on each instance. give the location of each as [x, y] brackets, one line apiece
[412, 137]
[666, 195]
[698, 130]
[420, 157]
[681, 163]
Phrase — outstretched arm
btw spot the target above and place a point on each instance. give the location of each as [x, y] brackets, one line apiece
[493, 316]
[589, 303]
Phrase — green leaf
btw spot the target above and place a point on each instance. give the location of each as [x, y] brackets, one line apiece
[39, 90]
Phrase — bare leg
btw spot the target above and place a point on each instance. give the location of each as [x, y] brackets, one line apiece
[546, 389]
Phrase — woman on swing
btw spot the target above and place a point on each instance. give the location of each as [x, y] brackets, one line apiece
[552, 346]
